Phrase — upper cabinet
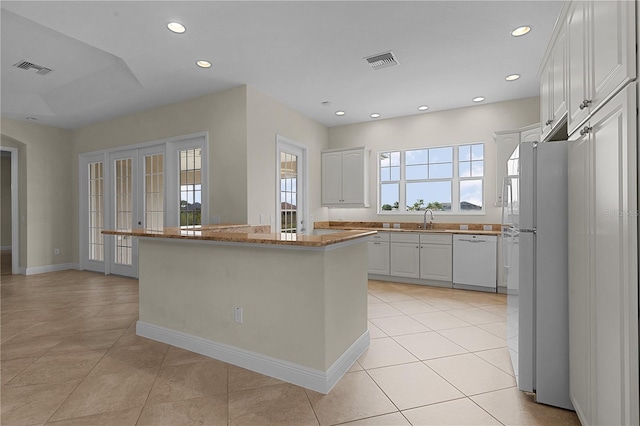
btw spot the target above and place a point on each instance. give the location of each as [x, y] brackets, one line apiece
[345, 178]
[553, 85]
[601, 55]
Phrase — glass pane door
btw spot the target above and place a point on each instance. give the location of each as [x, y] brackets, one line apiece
[291, 187]
[152, 168]
[124, 260]
[288, 192]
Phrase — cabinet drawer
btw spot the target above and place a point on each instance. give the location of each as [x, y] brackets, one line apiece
[436, 239]
[380, 237]
[405, 237]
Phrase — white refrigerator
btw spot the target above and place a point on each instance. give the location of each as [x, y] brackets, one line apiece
[535, 252]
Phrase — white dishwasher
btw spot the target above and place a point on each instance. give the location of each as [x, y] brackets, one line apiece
[474, 262]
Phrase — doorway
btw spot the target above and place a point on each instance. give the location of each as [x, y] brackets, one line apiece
[291, 187]
[9, 252]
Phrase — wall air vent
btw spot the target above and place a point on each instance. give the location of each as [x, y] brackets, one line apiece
[382, 60]
[24, 65]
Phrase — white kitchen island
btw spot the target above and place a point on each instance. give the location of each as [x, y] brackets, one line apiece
[303, 299]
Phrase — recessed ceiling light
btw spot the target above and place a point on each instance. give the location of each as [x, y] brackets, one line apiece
[340, 113]
[375, 115]
[520, 31]
[512, 77]
[423, 108]
[176, 27]
[478, 99]
[203, 64]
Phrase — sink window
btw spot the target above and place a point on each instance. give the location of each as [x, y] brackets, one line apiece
[448, 179]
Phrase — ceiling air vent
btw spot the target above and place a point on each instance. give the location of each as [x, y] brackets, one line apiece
[382, 60]
[24, 65]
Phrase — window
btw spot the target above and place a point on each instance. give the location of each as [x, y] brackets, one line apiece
[191, 187]
[448, 178]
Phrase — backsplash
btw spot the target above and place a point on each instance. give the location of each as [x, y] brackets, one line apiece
[405, 225]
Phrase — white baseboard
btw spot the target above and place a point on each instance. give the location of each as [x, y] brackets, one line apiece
[51, 268]
[310, 378]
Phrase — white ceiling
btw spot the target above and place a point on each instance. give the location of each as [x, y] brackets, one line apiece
[113, 58]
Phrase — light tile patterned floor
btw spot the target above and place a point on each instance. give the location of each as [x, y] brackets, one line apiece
[70, 356]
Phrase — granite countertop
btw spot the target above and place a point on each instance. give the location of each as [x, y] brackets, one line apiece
[437, 228]
[260, 234]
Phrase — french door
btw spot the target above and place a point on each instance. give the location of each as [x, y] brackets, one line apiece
[122, 190]
[150, 187]
[137, 195]
[291, 159]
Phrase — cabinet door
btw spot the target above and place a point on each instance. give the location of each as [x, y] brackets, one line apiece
[436, 262]
[558, 82]
[379, 258]
[545, 101]
[614, 303]
[353, 177]
[405, 260]
[331, 177]
[580, 322]
[612, 30]
[577, 64]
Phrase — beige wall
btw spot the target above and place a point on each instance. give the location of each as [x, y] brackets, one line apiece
[5, 201]
[267, 118]
[452, 127]
[45, 202]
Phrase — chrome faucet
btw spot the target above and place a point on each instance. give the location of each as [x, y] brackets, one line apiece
[424, 222]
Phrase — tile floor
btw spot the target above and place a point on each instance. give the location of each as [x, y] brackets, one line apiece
[70, 356]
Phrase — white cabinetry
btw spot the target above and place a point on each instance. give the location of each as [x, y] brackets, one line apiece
[405, 255]
[379, 256]
[603, 278]
[345, 178]
[421, 256]
[553, 86]
[436, 257]
[601, 54]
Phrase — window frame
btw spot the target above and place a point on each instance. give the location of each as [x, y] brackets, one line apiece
[455, 181]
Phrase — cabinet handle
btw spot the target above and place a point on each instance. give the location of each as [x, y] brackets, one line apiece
[417, 247]
[377, 244]
[585, 130]
[585, 103]
[548, 122]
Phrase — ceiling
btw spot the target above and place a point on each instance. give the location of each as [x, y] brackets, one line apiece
[113, 58]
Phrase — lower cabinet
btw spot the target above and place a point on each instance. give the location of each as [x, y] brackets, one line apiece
[412, 255]
[405, 260]
[379, 257]
[436, 257]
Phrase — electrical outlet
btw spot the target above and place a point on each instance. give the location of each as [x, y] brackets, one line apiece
[263, 219]
[214, 219]
[487, 227]
[396, 226]
[56, 251]
[464, 227]
[385, 225]
[237, 315]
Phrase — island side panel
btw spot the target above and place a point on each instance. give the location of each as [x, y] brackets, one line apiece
[194, 287]
[346, 281]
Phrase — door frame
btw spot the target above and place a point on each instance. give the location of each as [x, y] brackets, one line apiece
[282, 143]
[15, 211]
